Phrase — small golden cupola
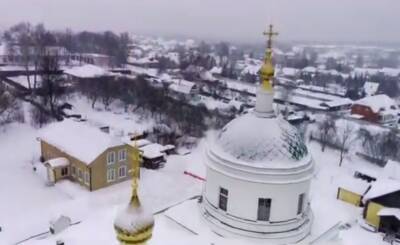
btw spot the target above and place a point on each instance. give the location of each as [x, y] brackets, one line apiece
[134, 224]
[265, 92]
[267, 71]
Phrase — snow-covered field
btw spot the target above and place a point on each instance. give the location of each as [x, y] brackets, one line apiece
[27, 204]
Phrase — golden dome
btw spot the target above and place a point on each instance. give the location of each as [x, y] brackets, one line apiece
[267, 71]
[134, 224]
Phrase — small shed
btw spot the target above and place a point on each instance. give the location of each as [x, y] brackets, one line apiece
[59, 224]
[153, 157]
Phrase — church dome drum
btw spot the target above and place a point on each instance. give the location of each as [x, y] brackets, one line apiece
[259, 172]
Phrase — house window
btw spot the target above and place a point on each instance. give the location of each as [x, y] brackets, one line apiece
[110, 175]
[110, 157]
[264, 209]
[223, 199]
[300, 204]
[122, 172]
[73, 170]
[80, 174]
[64, 171]
[122, 155]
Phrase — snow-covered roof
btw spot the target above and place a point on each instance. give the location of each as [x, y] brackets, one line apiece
[140, 70]
[251, 69]
[365, 71]
[87, 71]
[306, 101]
[379, 103]
[23, 80]
[207, 76]
[182, 86]
[288, 71]
[152, 151]
[352, 184]
[216, 70]
[392, 72]
[390, 212]
[58, 162]
[78, 139]
[382, 187]
[370, 88]
[338, 102]
[392, 170]
[261, 142]
[310, 69]
[240, 86]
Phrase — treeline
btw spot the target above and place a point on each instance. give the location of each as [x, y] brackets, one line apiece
[33, 39]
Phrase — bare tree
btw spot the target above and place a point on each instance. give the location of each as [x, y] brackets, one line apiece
[379, 147]
[286, 95]
[51, 88]
[9, 107]
[89, 88]
[326, 128]
[345, 138]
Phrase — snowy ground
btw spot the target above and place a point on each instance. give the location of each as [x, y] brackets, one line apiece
[27, 204]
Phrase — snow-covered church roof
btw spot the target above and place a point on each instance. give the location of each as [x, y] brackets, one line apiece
[265, 142]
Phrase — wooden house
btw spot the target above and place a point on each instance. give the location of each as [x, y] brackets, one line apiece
[378, 109]
[85, 155]
[382, 206]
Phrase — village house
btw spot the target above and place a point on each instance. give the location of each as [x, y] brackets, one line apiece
[382, 206]
[85, 155]
[101, 60]
[379, 197]
[376, 109]
[182, 88]
[338, 105]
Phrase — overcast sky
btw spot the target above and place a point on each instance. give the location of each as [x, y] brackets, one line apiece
[231, 20]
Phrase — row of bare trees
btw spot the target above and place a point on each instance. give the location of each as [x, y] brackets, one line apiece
[342, 135]
[137, 95]
[27, 43]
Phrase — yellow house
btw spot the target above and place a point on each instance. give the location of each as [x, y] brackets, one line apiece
[85, 155]
[352, 190]
[383, 195]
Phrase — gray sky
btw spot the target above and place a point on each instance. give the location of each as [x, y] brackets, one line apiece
[232, 20]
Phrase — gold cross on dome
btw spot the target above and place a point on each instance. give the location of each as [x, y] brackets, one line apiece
[270, 33]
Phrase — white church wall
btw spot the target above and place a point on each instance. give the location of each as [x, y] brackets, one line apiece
[243, 196]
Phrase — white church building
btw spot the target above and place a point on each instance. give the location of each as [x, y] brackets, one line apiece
[259, 173]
